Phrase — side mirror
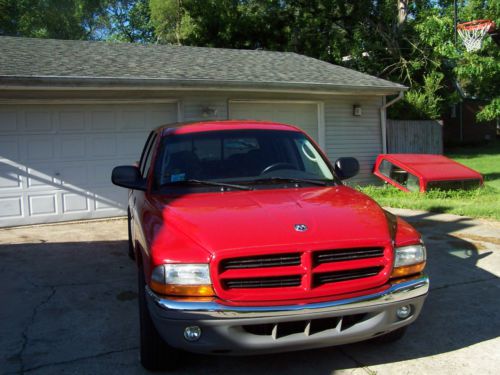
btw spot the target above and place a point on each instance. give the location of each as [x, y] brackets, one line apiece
[128, 176]
[346, 168]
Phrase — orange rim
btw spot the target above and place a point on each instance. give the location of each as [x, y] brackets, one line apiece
[477, 24]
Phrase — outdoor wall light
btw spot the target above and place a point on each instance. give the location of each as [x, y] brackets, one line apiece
[356, 110]
[209, 111]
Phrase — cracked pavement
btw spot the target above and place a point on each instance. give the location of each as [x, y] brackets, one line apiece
[69, 306]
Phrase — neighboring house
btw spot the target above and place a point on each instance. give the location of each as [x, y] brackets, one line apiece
[72, 110]
[465, 129]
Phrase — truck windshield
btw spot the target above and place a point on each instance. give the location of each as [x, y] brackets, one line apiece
[240, 156]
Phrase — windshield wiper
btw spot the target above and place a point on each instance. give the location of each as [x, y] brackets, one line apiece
[293, 180]
[210, 183]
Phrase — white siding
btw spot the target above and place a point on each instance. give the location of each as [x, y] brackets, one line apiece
[356, 136]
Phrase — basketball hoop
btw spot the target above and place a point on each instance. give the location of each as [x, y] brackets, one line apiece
[472, 33]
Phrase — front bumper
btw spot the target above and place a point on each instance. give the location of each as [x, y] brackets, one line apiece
[248, 330]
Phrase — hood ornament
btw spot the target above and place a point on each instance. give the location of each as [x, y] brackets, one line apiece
[300, 227]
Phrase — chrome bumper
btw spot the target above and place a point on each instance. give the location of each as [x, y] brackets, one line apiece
[397, 292]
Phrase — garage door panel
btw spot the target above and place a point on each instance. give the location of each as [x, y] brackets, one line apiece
[72, 147]
[102, 146]
[72, 202]
[12, 207]
[163, 117]
[100, 174]
[9, 147]
[56, 160]
[9, 122]
[133, 120]
[302, 115]
[109, 199]
[40, 147]
[38, 121]
[41, 177]
[74, 176]
[45, 204]
[72, 121]
[129, 146]
[10, 175]
[102, 121]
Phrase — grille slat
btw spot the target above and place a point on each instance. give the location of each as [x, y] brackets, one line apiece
[331, 256]
[274, 260]
[263, 282]
[333, 277]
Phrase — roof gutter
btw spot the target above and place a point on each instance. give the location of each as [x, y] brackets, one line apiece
[114, 83]
[383, 118]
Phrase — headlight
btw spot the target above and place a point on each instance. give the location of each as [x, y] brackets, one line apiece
[409, 260]
[190, 280]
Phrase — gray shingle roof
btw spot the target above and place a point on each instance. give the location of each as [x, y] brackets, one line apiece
[31, 61]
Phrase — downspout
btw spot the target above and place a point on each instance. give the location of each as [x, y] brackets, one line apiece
[383, 118]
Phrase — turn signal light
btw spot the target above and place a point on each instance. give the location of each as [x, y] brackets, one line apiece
[407, 270]
[182, 290]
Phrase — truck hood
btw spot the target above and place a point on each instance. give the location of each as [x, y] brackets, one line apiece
[228, 221]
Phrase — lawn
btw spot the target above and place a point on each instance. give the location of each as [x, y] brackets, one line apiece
[481, 203]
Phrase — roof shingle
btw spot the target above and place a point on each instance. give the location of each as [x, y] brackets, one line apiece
[29, 60]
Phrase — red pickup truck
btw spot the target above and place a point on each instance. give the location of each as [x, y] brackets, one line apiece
[247, 241]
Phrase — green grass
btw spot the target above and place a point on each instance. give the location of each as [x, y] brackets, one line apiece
[480, 203]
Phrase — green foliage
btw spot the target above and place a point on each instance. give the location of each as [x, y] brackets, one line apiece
[128, 21]
[422, 103]
[491, 111]
[61, 19]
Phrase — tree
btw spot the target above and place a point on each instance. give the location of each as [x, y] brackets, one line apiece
[61, 19]
[127, 21]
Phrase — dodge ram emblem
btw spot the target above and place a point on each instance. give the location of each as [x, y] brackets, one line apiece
[300, 227]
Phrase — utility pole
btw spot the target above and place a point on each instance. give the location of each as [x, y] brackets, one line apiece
[460, 105]
[455, 20]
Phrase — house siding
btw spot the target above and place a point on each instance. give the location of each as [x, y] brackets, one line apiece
[356, 136]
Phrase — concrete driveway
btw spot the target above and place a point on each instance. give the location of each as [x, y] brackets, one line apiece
[69, 306]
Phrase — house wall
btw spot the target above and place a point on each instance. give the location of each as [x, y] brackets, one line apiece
[472, 131]
[344, 134]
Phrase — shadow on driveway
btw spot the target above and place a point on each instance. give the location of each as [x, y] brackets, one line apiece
[71, 307]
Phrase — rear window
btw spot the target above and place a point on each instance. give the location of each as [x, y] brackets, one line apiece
[399, 175]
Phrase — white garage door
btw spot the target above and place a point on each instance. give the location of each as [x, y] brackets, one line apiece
[56, 160]
[303, 115]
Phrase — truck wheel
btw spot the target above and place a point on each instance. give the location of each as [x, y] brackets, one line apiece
[131, 253]
[155, 353]
[391, 336]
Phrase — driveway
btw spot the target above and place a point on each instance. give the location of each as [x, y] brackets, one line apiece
[69, 306]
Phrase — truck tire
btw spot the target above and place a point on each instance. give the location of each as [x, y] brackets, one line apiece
[155, 354]
[391, 336]
[131, 253]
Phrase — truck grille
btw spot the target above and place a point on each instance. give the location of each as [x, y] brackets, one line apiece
[347, 254]
[263, 282]
[307, 273]
[261, 261]
[333, 277]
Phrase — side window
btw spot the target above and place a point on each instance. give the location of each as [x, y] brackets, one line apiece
[399, 175]
[147, 155]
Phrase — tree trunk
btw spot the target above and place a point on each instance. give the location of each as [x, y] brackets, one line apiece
[402, 11]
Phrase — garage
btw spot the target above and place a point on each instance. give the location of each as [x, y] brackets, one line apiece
[299, 113]
[56, 159]
[71, 110]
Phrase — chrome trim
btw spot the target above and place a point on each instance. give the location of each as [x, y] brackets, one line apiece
[402, 291]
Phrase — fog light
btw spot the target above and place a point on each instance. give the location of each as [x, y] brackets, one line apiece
[192, 333]
[403, 312]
